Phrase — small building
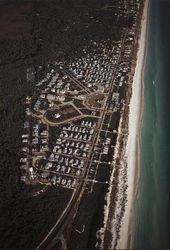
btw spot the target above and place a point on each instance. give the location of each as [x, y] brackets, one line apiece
[51, 97]
[23, 178]
[23, 167]
[57, 115]
[26, 124]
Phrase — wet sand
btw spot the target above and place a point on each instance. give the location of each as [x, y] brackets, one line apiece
[132, 149]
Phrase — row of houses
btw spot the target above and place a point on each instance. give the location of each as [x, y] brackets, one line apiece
[87, 136]
[65, 181]
[96, 69]
[52, 88]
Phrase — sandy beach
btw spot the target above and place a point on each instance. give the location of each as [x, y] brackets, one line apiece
[132, 149]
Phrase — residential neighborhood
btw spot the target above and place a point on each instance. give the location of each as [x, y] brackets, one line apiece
[62, 120]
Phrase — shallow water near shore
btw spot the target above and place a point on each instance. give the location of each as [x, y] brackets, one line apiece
[151, 216]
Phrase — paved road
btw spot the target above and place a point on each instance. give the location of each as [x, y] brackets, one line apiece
[80, 190]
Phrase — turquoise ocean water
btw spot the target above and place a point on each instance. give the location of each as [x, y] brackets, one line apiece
[151, 217]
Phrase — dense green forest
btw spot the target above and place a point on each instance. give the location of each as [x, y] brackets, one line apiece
[60, 29]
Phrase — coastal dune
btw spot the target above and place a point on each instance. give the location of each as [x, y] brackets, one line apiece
[132, 148]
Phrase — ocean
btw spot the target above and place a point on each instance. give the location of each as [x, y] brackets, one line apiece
[151, 216]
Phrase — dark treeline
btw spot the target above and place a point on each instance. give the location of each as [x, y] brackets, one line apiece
[60, 29]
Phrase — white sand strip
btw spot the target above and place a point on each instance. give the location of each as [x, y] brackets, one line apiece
[136, 105]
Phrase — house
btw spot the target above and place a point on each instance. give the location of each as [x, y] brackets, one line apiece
[48, 165]
[61, 98]
[64, 151]
[25, 136]
[42, 96]
[58, 168]
[44, 175]
[23, 160]
[23, 178]
[35, 140]
[72, 144]
[73, 184]
[63, 182]
[82, 145]
[36, 126]
[44, 133]
[63, 168]
[81, 164]
[78, 172]
[70, 151]
[84, 154]
[26, 124]
[91, 131]
[51, 157]
[68, 170]
[31, 172]
[69, 182]
[85, 137]
[51, 97]
[58, 180]
[53, 180]
[57, 115]
[24, 149]
[71, 161]
[23, 167]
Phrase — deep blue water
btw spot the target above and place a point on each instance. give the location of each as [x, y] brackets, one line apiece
[151, 218]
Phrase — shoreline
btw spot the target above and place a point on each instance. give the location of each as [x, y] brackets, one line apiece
[131, 225]
[133, 144]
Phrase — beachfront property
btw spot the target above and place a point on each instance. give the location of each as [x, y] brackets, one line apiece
[62, 92]
[70, 101]
[69, 105]
[72, 128]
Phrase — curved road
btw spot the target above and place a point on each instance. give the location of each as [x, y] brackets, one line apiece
[80, 190]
